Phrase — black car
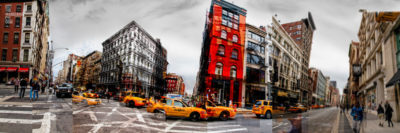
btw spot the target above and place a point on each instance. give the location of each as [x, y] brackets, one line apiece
[65, 89]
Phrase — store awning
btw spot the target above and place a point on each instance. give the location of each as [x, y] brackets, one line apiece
[12, 69]
[23, 70]
[395, 79]
[2, 69]
[282, 94]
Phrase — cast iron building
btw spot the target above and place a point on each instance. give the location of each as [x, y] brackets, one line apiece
[133, 60]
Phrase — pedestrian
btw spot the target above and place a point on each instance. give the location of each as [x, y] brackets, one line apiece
[108, 94]
[388, 113]
[380, 112]
[36, 89]
[31, 90]
[23, 85]
[357, 113]
[16, 85]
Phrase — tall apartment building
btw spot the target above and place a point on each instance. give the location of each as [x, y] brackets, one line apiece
[133, 60]
[319, 86]
[254, 67]
[375, 61]
[174, 84]
[86, 75]
[24, 43]
[286, 61]
[221, 59]
[302, 33]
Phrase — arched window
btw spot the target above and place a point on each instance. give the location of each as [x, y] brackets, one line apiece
[233, 71]
[234, 54]
[221, 50]
[223, 34]
[235, 38]
[218, 68]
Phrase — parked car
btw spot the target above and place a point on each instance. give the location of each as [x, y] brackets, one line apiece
[64, 89]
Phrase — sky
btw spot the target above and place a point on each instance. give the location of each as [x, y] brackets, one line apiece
[82, 25]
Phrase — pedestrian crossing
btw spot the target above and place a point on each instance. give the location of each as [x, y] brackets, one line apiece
[19, 118]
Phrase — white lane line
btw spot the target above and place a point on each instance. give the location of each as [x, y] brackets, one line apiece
[46, 123]
[139, 116]
[93, 117]
[228, 130]
[14, 112]
[7, 105]
[169, 127]
[19, 121]
[280, 124]
[99, 125]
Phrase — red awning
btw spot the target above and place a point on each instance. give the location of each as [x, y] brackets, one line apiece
[2, 69]
[12, 69]
[23, 70]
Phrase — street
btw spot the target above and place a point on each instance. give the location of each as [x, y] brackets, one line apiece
[312, 121]
[115, 117]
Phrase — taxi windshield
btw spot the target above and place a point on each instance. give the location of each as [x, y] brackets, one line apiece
[209, 103]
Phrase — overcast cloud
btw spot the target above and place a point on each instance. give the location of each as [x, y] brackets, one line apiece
[82, 25]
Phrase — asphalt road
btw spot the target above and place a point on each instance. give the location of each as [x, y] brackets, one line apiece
[312, 121]
[114, 117]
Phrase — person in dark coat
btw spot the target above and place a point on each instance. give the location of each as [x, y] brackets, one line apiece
[36, 89]
[388, 113]
[23, 84]
[380, 112]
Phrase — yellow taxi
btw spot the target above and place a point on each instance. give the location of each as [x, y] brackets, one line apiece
[298, 108]
[263, 107]
[221, 112]
[79, 98]
[90, 95]
[133, 99]
[177, 108]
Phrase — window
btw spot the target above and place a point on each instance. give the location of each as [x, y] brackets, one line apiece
[290, 28]
[27, 37]
[233, 71]
[230, 24]
[235, 26]
[236, 17]
[298, 26]
[29, 8]
[230, 14]
[224, 12]
[254, 59]
[234, 54]
[169, 102]
[17, 21]
[221, 50]
[298, 39]
[8, 9]
[28, 21]
[178, 104]
[5, 38]
[223, 34]
[234, 38]
[26, 55]
[18, 9]
[224, 22]
[15, 55]
[4, 55]
[7, 22]
[218, 68]
[255, 47]
[16, 38]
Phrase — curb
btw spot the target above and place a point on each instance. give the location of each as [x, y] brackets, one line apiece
[336, 124]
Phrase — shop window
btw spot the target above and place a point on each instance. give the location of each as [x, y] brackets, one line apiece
[233, 71]
[223, 34]
[218, 68]
[221, 50]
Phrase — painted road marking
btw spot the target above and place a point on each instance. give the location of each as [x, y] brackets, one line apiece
[139, 116]
[7, 105]
[92, 116]
[14, 112]
[172, 125]
[19, 121]
[46, 123]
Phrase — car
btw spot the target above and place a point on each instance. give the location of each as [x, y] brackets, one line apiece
[64, 89]
[176, 108]
[90, 94]
[79, 98]
[315, 106]
[263, 107]
[221, 112]
[133, 99]
[298, 108]
[119, 96]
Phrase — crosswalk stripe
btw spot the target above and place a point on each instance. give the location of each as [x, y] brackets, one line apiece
[14, 112]
[7, 105]
[19, 121]
[228, 130]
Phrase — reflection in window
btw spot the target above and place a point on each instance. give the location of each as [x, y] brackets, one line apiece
[218, 68]
[221, 50]
[234, 38]
[223, 34]
[234, 54]
[233, 71]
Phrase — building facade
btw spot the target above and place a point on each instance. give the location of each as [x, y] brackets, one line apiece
[87, 76]
[221, 59]
[24, 33]
[254, 66]
[133, 60]
[319, 86]
[174, 84]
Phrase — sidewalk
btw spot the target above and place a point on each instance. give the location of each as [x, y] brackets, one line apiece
[344, 125]
[370, 124]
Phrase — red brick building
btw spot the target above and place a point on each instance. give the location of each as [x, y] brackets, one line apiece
[11, 14]
[174, 84]
[221, 60]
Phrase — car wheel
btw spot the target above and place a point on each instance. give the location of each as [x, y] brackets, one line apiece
[224, 116]
[194, 116]
[131, 104]
[258, 116]
[268, 115]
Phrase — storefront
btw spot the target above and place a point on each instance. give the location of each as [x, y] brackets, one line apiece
[370, 102]
[254, 93]
[8, 74]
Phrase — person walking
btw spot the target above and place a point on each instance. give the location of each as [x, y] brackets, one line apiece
[16, 85]
[23, 84]
[36, 88]
[380, 112]
[388, 113]
[357, 113]
[31, 90]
